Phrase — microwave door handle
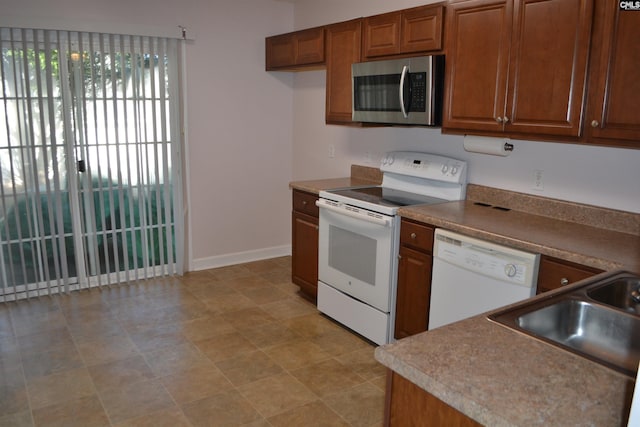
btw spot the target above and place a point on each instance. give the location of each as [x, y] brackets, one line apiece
[403, 108]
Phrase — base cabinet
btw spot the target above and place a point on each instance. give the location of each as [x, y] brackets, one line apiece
[304, 245]
[408, 405]
[414, 279]
[555, 273]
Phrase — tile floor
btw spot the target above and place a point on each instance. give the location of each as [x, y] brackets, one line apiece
[224, 347]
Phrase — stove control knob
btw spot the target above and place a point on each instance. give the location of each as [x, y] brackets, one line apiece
[510, 270]
[390, 160]
[454, 170]
[445, 169]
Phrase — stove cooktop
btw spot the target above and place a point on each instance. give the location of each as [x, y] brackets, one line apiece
[408, 178]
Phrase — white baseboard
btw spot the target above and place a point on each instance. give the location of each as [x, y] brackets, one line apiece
[239, 258]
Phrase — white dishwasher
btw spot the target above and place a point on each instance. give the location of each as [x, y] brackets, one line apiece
[471, 276]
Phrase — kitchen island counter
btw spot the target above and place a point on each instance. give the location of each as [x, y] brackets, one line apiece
[499, 377]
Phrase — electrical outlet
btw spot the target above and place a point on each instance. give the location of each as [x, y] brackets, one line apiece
[332, 151]
[538, 180]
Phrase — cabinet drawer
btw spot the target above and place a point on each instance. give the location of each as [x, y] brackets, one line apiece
[305, 202]
[416, 235]
[555, 273]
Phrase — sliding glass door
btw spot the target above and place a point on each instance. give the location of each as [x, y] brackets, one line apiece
[89, 160]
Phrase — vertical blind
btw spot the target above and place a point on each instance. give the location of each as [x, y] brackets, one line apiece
[90, 159]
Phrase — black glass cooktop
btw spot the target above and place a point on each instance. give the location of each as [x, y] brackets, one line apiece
[387, 196]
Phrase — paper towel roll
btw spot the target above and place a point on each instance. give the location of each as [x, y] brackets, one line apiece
[485, 145]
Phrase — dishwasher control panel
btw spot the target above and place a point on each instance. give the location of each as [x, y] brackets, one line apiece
[486, 258]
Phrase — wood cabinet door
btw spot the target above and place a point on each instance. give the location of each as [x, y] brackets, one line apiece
[615, 82]
[310, 46]
[421, 29]
[304, 253]
[280, 51]
[343, 44]
[548, 66]
[295, 50]
[409, 405]
[381, 35]
[414, 292]
[479, 34]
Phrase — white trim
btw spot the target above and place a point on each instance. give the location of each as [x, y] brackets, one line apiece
[240, 257]
[174, 32]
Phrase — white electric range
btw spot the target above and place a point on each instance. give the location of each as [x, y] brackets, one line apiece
[359, 233]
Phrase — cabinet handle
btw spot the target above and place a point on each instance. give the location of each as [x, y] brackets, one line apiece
[594, 123]
[505, 119]
[413, 236]
[317, 227]
[499, 119]
[564, 281]
[304, 203]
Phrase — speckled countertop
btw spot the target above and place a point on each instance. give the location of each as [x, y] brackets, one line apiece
[499, 377]
[495, 375]
[597, 247]
[360, 175]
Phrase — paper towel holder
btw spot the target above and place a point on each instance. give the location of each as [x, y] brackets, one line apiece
[488, 145]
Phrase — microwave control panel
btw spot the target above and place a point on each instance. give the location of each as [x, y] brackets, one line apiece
[418, 82]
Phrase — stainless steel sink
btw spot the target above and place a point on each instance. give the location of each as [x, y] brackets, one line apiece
[623, 293]
[594, 320]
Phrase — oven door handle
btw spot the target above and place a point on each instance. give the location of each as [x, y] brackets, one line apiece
[364, 217]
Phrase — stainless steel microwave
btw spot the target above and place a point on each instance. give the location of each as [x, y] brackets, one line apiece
[404, 91]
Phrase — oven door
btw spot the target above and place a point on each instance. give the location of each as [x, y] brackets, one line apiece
[356, 253]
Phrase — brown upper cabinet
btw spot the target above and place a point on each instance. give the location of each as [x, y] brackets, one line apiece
[517, 66]
[614, 85]
[297, 50]
[343, 42]
[414, 30]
